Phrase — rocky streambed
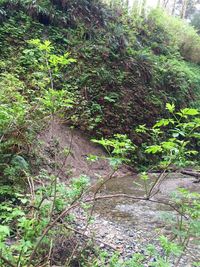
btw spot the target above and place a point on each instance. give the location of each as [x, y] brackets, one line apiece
[128, 226]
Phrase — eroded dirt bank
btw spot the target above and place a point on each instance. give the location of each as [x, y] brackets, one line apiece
[79, 146]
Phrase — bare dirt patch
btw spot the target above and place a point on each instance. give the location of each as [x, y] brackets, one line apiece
[80, 147]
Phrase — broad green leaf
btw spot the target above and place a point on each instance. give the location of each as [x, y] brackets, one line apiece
[163, 122]
[170, 107]
[196, 135]
[168, 145]
[153, 149]
[189, 111]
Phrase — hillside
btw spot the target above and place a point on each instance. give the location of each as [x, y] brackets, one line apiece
[126, 69]
[92, 93]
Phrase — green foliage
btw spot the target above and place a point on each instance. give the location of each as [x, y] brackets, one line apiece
[174, 138]
[126, 69]
[178, 35]
[195, 21]
[28, 221]
[21, 108]
[138, 259]
[14, 119]
[54, 101]
[120, 60]
[118, 148]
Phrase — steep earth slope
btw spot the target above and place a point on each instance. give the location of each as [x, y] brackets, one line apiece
[78, 147]
[125, 72]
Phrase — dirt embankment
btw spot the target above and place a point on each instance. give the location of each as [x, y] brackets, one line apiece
[69, 149]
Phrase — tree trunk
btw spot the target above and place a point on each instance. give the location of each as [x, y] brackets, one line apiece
[136, 7]
[184, 7]
[158, 3]
[173, 7]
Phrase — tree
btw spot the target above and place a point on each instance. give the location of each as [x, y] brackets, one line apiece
[196, 21]
[183, 8]
[174, 7]
[191, 8]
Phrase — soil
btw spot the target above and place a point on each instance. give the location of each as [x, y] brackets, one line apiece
[80, 146]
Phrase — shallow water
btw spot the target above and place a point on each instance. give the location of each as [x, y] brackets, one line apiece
[140, 214]
[132, 225]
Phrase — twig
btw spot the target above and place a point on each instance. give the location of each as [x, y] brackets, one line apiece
[157, 180]
[48, 228]
[136, 198]
[68, 153]
[50, 225]
[99, 188]
[19, 258]
[58, 173]
[158, 184]
[50, 252]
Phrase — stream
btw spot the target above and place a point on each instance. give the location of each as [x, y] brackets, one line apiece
[141, 214]
[130, 225]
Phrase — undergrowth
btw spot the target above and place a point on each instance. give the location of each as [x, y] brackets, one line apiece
[126, 67]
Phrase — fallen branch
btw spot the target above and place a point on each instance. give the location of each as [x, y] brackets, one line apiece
[191, 173]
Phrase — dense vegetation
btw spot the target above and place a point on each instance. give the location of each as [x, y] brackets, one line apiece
[126, 69]
[103, 70]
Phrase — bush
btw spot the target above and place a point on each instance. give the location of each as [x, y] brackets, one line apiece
[177, 34]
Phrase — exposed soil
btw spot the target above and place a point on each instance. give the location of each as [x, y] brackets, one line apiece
[80, 146]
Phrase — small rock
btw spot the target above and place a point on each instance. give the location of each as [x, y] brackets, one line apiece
[131, 234]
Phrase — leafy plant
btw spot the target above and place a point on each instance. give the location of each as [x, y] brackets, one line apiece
[171, 137]
[118, 148]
